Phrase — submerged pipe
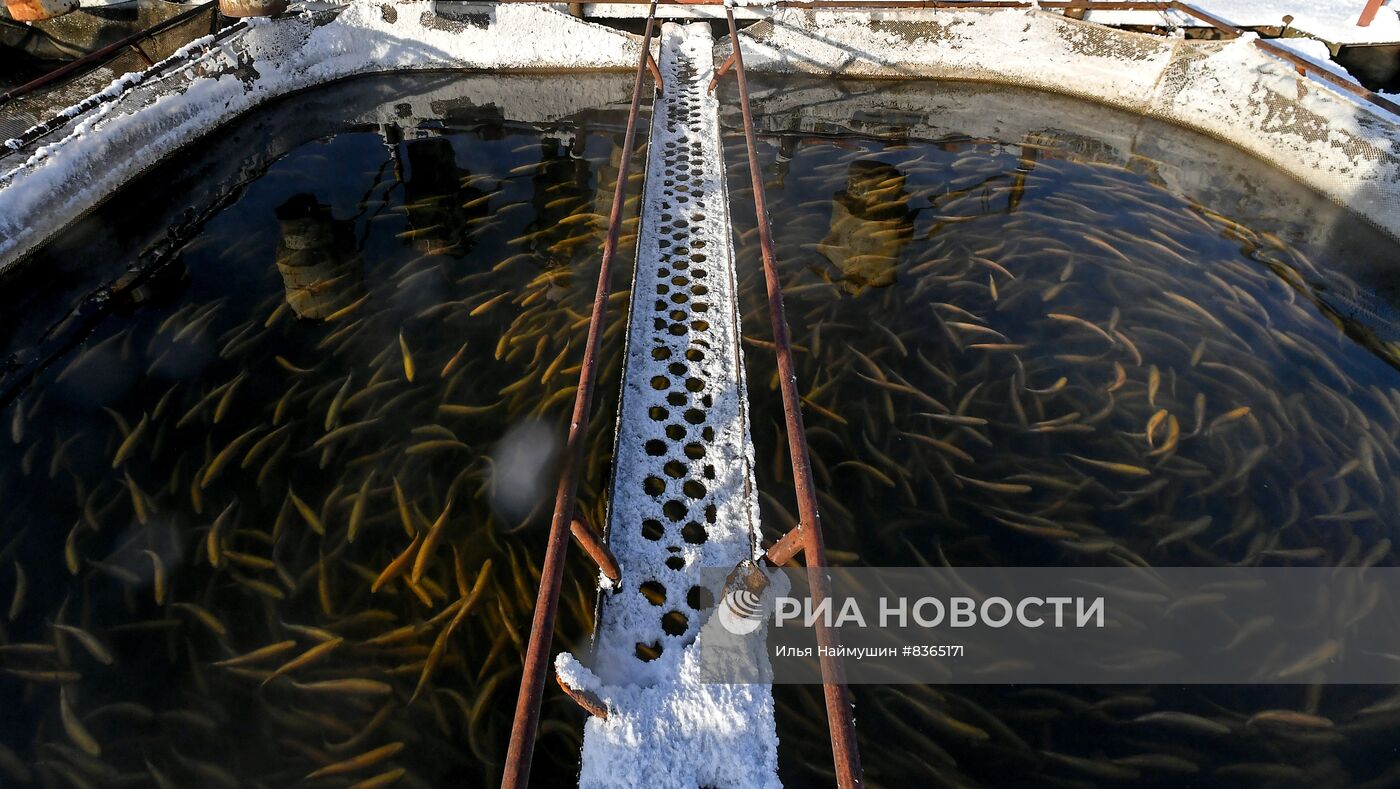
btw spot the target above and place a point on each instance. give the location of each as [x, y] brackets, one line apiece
[527, 706]
[839, 715]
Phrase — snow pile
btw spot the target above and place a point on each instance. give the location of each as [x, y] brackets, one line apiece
[1314, 51]
[1330, 20]
[1025, 47]
[1241, 94]
[194, 92]
[1328, 139]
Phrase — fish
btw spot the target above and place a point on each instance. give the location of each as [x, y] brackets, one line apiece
[408, 366]
[1226, 418]
[99, 651]
[429, 544]
[160, 579]
[307, 514]
[257, 655]
[129, 443]
[312, 655]
[357, 510]
[1321, 655]
[74, 728]
[225, 455]
[1288, 719]
[1184, 721]
[355, 763]
[399, 565]
[387, 778]
[1122, 469]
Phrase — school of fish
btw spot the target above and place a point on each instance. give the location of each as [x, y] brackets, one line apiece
[1011, 354]
[249, 536]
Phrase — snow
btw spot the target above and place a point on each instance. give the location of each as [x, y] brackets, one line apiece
[205, 85]
[1234, 91]
[666, 727]
[1314, 51]
[1330, 20]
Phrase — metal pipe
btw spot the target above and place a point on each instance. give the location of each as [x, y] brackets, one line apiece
[527, 706]
[787, 546]
[131, 40]
[1306, 65]
[592, 544]
[1298, 62]
[142, 53]
[655, 73]
[586, 699]
[840, 717]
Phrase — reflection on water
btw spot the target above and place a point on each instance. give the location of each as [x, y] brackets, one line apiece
[317, 259]
[1034, 332]
[274, 515]
[870, 224]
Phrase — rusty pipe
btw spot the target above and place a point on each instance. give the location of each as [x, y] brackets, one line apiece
[720, 72]
[840, 717]
[655, 73]
[787, 546]
[527, 706]
[592, 544]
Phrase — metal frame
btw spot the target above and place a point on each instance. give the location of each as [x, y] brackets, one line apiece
[1304, 66]
[839, 713]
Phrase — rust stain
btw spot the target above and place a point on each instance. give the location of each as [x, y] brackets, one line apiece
[38, 10]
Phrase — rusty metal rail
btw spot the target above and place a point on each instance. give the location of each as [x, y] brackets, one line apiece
[839, 713]
[536, 666]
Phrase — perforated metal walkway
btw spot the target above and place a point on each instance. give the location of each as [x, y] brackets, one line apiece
[683, 495]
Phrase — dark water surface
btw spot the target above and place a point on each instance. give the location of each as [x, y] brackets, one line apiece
[249, 488]
[1035, 332]
[359, 344]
